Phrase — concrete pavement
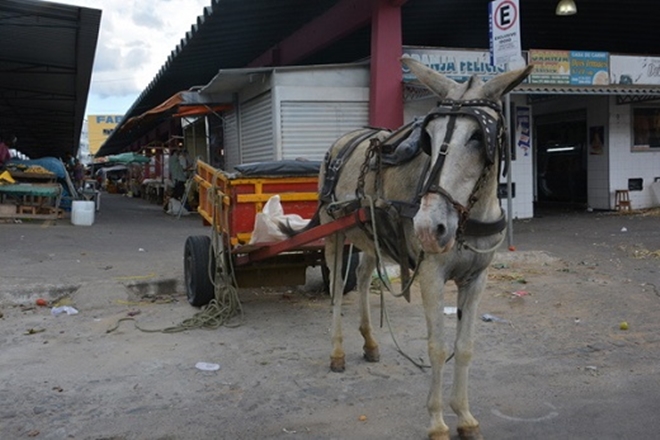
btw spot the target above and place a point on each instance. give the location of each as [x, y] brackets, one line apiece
[132, 244]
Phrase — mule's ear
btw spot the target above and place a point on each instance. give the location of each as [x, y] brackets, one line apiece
[436, 82]
[505, 82]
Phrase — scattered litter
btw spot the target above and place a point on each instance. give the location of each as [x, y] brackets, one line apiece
[207, 366]
[623, 325]
[141, 250]
[576, 320]
[624, 229]
[288, 431]
[34, 331]
[55, 311]
[520, 293]
[492, 318]
[451, 310]
[134, 312]
[362, 418]
[41, 302]
[591, 367]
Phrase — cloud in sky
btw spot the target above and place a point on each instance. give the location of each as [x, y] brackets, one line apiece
[134, 42]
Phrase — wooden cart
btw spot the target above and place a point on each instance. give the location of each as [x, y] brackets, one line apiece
[229, 203]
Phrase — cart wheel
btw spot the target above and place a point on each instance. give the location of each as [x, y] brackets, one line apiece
[199, 287]
[351, 281]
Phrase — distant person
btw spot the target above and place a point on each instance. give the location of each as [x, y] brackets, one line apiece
[78, 174]
[7, 141]
[177, 174]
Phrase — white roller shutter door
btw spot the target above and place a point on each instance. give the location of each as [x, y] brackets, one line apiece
[309, 128]
[257, 129]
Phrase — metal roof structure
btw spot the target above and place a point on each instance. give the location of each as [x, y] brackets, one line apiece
[249, 33]
[46, 59]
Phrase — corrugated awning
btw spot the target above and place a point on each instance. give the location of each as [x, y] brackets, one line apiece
[558, 89]
[414, 91]
[181, 104]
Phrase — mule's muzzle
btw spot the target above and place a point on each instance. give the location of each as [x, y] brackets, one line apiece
[436, 224]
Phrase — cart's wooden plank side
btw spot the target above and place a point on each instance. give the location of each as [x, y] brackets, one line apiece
[244, 197]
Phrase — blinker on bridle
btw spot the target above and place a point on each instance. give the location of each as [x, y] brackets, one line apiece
[493, 132]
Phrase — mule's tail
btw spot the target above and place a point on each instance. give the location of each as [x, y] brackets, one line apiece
[286, 228]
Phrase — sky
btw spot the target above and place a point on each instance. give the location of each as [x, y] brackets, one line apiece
[134, 41]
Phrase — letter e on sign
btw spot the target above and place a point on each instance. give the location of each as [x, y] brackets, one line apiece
[506, 15]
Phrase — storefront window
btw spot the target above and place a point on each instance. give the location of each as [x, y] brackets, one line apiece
[646, 128]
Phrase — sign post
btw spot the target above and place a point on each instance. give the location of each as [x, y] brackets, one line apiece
[505, 48]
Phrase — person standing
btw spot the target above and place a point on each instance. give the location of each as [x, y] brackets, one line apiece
[177, 174]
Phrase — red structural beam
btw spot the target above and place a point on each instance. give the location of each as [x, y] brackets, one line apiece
[386, 90]
[341, 20]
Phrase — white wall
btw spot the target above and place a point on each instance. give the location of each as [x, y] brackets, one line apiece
[626, 164]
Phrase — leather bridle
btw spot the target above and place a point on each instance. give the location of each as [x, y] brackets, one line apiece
[493, 131]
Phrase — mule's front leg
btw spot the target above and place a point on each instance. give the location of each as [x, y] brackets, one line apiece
[365, 269]
[333, 259]
[469, 294]
[432, 286]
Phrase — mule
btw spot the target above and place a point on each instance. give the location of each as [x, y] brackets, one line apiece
[435, 212]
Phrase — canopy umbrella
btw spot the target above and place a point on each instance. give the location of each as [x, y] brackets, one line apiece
[126, 158]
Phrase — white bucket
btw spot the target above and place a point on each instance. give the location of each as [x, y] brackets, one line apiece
[82, 213]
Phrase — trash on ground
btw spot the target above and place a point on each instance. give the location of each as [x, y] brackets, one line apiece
[207, 366]
[41, 302]
[520, 293]
[623, 325]
[34, 331]
[487, 317]
[451, 310]
[624, 229]
[55, 311]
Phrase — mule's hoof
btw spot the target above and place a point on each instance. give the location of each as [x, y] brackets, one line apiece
[470, 433]
[439, 435]
[338, 365]
[372, 355]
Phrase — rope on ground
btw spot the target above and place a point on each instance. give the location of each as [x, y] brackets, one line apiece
[226, 304]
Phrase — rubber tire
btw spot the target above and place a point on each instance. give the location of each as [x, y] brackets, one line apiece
[199, 287]
[351, 281]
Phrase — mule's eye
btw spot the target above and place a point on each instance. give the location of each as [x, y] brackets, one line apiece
[477, 136]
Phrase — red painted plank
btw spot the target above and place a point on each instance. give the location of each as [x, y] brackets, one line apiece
[294, 243]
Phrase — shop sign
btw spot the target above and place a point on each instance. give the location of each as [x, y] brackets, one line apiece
[628, 69]
[569, 67]
[458, 65]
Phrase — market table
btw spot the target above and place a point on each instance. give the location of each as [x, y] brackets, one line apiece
[31, 200]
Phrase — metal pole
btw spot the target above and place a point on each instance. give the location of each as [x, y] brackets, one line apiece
[507, 154]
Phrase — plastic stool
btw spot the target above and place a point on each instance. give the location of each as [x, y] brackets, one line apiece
[622, 200]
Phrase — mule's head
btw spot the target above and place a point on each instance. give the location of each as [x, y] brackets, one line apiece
[463, 138]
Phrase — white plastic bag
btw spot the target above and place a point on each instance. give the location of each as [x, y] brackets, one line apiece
[266, 223]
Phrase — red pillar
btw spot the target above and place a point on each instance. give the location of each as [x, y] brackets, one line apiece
[386, 90]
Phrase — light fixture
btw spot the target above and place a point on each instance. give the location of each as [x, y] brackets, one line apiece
[566, 7]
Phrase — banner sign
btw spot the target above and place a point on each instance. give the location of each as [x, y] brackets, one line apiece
[628, 69]
[569, 67]
[504, 31]
[458, 65]
[523, 129]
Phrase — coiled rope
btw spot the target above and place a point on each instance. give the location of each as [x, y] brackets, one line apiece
[226, 304]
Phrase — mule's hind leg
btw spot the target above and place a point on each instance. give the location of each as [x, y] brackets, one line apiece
[365, 269]
[334, 245]
[469, 294]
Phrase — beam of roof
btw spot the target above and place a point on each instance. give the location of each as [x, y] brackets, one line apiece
[341, 20]
[45, 71]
